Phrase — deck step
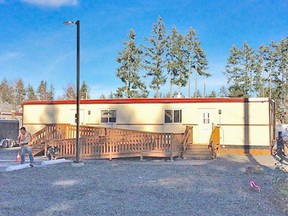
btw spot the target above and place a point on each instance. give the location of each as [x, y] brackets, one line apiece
[197, 152]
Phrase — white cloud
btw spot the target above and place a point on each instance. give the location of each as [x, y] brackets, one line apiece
[51, 3]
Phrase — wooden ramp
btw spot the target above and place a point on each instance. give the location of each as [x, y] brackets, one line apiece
[108, 143]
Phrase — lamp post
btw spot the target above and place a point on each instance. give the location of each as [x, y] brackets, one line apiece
[77, 116]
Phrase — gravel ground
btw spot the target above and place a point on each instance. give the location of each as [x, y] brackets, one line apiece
[152, 187]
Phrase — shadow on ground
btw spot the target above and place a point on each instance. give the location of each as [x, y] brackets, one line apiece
[131, 187]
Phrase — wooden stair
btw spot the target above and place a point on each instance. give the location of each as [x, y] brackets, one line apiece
[197, 152]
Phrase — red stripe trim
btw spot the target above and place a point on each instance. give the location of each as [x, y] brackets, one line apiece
[145, 100]
[241, 125]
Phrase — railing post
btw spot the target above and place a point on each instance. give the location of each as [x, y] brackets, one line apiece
[45, 139]
[171, 147]
[110, 148]
[141, 153]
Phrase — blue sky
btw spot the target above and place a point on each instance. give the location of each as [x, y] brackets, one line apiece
[35, 45]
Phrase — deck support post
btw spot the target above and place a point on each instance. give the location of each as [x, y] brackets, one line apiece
[141, 153]
[110, 149]
[171, 147]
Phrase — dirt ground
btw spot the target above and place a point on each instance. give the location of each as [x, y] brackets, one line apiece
[151, 187]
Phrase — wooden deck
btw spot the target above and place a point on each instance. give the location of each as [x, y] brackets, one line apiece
[108, 143]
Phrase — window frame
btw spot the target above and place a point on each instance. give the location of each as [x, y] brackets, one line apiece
[180, 116]
[108, 117]
[206, 119]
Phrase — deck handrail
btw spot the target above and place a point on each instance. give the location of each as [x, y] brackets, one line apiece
[132, 145]
[126, 142]
[214, 141]
[188, 133]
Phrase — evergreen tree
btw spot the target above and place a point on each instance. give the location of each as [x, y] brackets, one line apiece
[154, 61]
[223, 92]
[43, 93]
[42, 90]
[111, 95]
[240, 71]
[277, 66]
[248, 68]
[261, 71]
[31, 93]
[283, 69]
[176, 60]
[120, 92]
[233, 72]
[197, 94]
[51, 93]
[213, 94]
[20, 92]
[282, 66]
[195, 57]
[102, 96]
[69, 92]
[129, 60]
[85, 91]
[6, 91]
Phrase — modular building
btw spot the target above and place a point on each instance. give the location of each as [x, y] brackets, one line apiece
[244, 123]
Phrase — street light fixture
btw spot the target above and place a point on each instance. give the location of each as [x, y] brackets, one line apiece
[77, 116]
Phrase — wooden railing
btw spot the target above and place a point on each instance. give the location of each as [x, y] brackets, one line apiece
[214, 142]
[46, 134]
[98, 142]
[187, 137]
[130, 145]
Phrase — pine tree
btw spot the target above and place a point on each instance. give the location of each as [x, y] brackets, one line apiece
[249, 62]
[102, 96]
[240, 71]
[154, 61]
[233, 72]
[176, 60]
[120, 92]
[197, 93]
[111, 95]
[85, 91]
[20, 92]
[277, 64]
[195, 57]
[69, 92]
[223, 92]
[261, 72]
[129, 60]
[213, 94]
[31, 93]
[42, 90]
[282, 65]
[51, 93]
[6, 91]
[43, 93]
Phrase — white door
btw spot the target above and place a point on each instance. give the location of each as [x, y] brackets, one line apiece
[206, 122]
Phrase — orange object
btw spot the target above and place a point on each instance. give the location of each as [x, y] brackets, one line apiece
[18, 157]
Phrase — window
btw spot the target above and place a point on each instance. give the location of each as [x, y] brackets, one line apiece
[206, 118]
[173, 116]
[108, 116]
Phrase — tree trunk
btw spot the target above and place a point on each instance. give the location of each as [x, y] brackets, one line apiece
[196, 77]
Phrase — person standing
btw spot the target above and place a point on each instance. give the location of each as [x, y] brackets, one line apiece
[26, 145]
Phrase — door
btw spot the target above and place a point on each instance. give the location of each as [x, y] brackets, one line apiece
[206, 123]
